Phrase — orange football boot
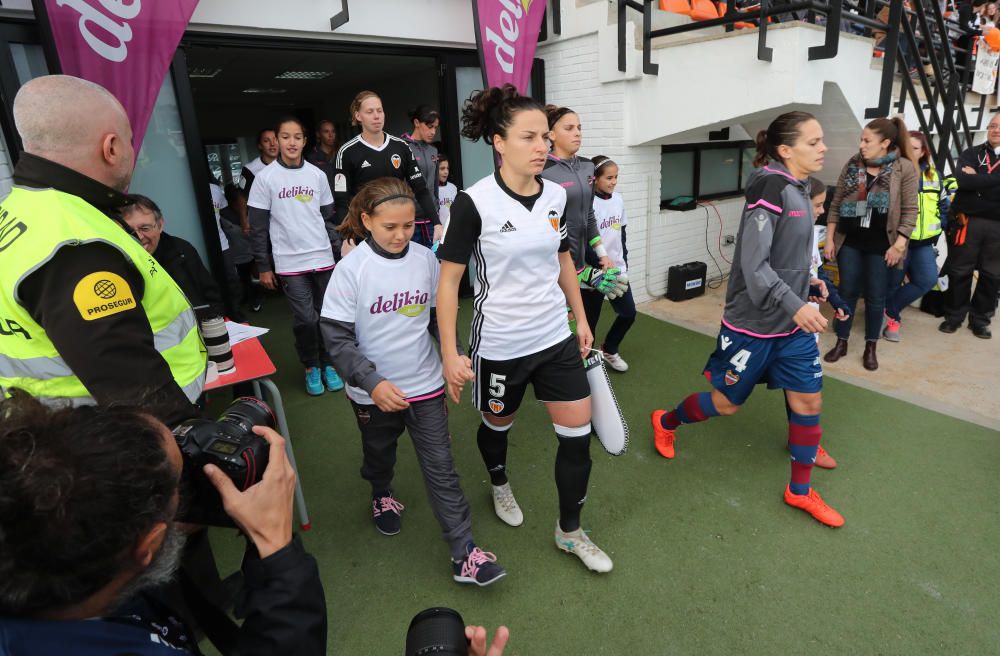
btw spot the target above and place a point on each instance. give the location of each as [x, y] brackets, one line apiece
[813, 504]
[662, 438]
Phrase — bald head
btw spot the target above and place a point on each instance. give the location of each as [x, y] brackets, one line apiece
[78, 124]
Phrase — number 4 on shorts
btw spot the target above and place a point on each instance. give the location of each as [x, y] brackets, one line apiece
[739, 361]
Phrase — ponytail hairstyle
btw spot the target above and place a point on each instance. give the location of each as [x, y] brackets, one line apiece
[783, 131]
[356, 103]
[423, 113]
[894, 129]
[816, 187]
[368, 199]
[490, 112]
[925, 157]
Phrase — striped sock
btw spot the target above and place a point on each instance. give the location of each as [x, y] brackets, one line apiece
[804, 433]
[695, 408]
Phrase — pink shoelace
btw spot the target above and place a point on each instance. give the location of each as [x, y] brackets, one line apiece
[476, 558]
[389, 504]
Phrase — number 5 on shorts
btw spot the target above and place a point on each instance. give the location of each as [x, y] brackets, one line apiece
[739, 361]
[497, 387]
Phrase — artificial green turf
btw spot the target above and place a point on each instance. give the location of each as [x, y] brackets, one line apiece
[707, 557]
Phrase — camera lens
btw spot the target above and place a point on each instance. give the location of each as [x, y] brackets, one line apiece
[437, 631]
[247, 412]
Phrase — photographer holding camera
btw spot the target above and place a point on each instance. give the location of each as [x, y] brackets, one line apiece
[88, 538]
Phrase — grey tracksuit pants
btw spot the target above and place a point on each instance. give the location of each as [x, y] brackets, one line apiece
[304, 293]
[427, 423]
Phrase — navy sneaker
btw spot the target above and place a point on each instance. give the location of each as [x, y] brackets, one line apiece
[385, 511]
[479, 567]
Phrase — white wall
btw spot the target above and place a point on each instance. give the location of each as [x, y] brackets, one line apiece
[656, 239]
[426, 22]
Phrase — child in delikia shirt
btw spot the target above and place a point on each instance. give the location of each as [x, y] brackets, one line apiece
[378, 321]
[446, 191]
[817, 193]
[609, 210]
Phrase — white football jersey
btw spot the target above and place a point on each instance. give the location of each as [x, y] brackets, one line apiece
[299, 240]
[389, 302]
[515, 240]
[610, 215]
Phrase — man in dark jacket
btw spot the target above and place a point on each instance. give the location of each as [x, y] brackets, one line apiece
[974, 238]
[177, 256]
[83, 566]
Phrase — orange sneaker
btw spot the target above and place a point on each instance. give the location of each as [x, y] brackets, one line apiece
[662, 438]
[824, 459]
[813, 504]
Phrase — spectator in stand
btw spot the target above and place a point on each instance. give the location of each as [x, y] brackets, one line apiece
[974, 238]
[920, 265]
[873, 212]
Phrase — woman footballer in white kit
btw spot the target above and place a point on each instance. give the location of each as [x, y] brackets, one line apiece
[513, 223]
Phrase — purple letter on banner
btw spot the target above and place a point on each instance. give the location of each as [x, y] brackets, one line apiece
[126, 46]
[507, 33]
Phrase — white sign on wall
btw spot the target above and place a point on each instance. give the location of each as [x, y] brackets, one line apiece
[985, 80]
[16, 4]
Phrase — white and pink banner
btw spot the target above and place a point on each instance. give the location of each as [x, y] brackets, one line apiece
[126, 46]
[507, 34]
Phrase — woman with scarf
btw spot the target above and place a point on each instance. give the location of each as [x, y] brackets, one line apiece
[873, 212]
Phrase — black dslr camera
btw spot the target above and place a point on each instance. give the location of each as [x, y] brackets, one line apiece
[231, 445]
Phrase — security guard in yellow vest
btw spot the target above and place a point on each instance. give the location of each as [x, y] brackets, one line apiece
[921, 257]
[85, 313]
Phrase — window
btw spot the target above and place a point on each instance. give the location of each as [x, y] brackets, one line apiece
[704, 171]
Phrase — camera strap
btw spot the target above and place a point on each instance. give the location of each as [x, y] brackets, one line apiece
[218, 628]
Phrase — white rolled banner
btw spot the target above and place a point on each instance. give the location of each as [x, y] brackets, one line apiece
[607, 419]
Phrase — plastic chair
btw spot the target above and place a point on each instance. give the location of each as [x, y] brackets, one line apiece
[703, 10]
[676, 6]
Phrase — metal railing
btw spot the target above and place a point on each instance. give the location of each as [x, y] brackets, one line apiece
[923, 28]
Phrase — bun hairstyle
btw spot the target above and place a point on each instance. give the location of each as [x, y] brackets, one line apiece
[554, 113]
[375, 193]
[356, 103]
[425, 114]
[894, 129]
[491, 111]
[783, 131]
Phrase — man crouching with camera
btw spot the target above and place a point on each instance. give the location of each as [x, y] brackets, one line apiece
[88, 501]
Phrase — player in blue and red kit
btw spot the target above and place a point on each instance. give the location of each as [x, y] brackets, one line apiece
[767, 324]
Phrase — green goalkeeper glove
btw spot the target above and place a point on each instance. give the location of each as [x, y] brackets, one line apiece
[612, 283]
